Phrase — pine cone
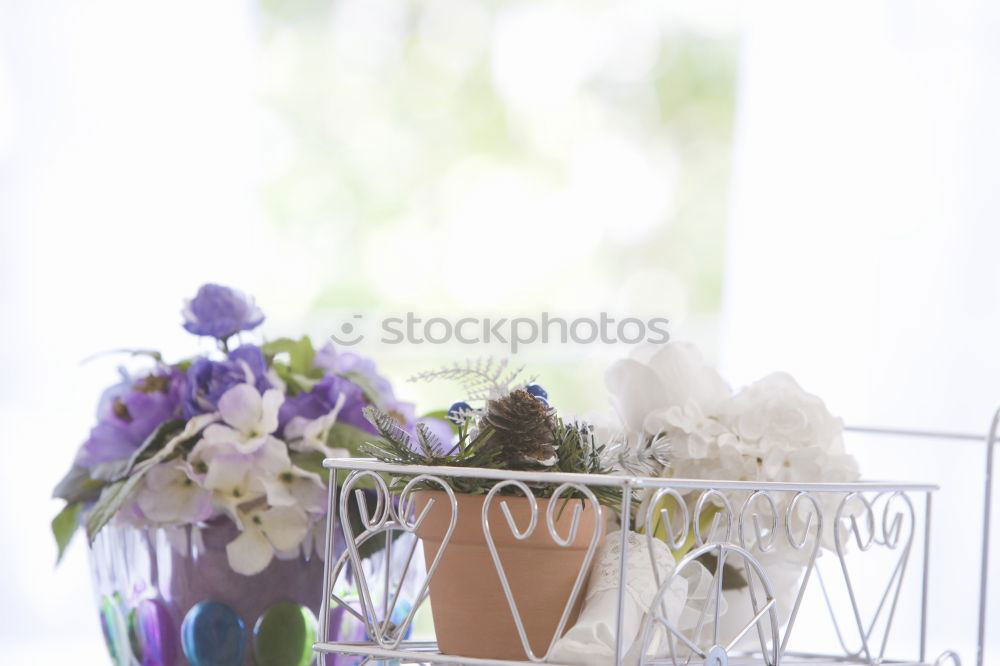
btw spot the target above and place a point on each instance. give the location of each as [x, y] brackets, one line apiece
[522, 428]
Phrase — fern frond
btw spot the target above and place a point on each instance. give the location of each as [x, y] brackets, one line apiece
[386, 425]
[481, 378]
[429, 443]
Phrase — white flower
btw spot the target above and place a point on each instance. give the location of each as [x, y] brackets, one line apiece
[250, 418]
[171, 495]
[789, 433]
[266, 531]
[676, 376]
[235, 476]
[236, 459]
[312, 435]
[777, 410]
[296, 487]
[770, 431]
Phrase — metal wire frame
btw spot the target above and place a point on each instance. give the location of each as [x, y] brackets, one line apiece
[946, 658]
[803, 532]
[990, 440]
[715, 654]
[800, 520]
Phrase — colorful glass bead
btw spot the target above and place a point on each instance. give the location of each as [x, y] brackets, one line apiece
[115, 631]
[133, 636]
[400, 613]
[213, 634]
[151, 632]
[284, 635]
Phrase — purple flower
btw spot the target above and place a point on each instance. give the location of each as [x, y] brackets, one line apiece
[334, 362]
[323, 398]
[129, 412]
[207, 380]
[220, 312]
[342, 370]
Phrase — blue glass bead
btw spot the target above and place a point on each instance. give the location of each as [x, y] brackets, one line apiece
[538, 392]
[213, 635]
[399, 614]
[455, 412]
[284, 635]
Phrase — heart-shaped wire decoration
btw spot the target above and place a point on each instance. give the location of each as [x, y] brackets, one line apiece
[802, 529]
[891, 528]
[560, 540]
[388, 518]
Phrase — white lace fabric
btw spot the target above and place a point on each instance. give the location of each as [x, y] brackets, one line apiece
[640, 574]
[591, 641]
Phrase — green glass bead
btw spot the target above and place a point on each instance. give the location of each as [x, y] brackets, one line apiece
[284, 635]
[115, 631]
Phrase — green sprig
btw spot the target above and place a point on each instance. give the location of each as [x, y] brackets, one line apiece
[576, 453]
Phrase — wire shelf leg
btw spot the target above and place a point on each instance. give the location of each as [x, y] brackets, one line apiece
[985, 564]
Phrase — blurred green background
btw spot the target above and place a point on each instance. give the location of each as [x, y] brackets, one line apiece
[503, 159]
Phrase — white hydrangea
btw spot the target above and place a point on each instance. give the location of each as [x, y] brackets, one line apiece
[772, 430]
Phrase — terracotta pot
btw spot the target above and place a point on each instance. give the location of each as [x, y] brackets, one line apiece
[471, 615]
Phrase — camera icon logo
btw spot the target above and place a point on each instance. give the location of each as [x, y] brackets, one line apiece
[349, 334]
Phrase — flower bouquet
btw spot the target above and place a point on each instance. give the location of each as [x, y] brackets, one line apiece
[207, 471]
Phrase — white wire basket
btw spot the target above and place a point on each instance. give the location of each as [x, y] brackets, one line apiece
[833, 531]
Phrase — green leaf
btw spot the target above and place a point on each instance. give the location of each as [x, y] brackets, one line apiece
[115, 470]
[111, 470]
[346, 436]
[300, 355]
[341, 436]
[441, 415]
[294, 383]
[151, 353]
[113, 498]
[64, 527]
[362, 383]
[155, 442]
[310, 461]
[115, 495]
[77, 486]
[732, 578]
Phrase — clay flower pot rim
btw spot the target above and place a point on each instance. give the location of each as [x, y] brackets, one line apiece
[469, 521]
